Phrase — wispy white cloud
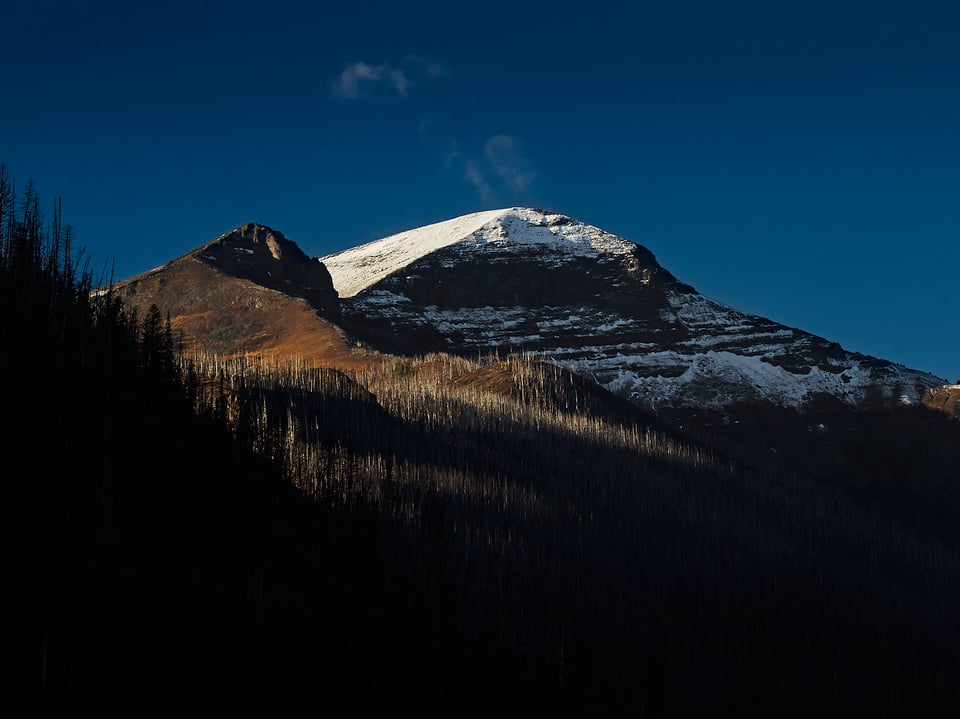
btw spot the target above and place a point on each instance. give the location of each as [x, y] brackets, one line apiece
[363, 79]
[474, 175]
[503, 170]
[453, 155]
[500, 168]
[351, 83]
[505, 156]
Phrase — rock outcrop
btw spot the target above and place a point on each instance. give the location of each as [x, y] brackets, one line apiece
[264, 256]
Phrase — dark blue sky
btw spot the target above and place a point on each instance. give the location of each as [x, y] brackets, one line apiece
[796, 160]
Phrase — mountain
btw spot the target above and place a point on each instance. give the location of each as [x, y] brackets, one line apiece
[511, 282]
[529, 281]
[249, 291]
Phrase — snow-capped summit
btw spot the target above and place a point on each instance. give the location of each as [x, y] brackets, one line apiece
[358, 268]
[522, 280]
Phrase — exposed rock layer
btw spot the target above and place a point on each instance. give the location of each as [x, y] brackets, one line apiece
[531, 281]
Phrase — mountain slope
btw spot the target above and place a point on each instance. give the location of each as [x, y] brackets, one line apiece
[521, 280]
[945, 398]
[250, 290]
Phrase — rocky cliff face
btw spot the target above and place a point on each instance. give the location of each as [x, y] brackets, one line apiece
[529, 281]
[264, 256]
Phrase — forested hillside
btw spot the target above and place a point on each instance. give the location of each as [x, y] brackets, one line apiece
[206, 537]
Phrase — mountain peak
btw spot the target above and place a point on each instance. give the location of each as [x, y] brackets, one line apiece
[520, 230]
[258, 239]
[523, 280]
[264, 256]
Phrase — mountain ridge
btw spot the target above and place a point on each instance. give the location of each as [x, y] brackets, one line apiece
[523, 282]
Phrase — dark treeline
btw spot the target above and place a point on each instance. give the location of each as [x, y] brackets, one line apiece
[902, 460]
[156, 565]
[206, 537]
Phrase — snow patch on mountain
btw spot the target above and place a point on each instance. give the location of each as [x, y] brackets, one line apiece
[358, 268]
[718, 379]
[553, 235]
[523, 226]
